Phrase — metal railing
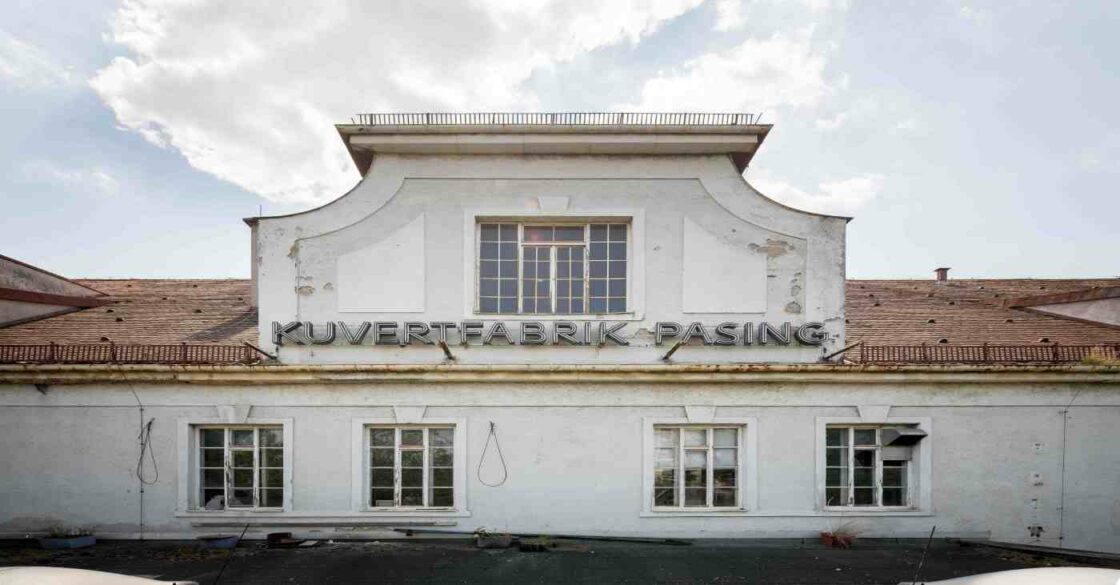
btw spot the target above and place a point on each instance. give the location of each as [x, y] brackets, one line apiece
[982, 354]
[557, 119]
[108, 353]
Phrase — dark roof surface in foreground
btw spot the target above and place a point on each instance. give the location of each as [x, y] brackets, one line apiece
[880, 312]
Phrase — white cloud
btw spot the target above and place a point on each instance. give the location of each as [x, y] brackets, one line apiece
[248, 90]
[730, 15]
[26, 66]
[78, 179]
[757, 76]
[833, 122]
[836, 197]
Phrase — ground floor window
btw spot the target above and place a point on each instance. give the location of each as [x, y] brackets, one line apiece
[697, 467]
[860, 471]
[240, 467]
[411, 467]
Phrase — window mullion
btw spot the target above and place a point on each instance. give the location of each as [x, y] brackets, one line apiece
[424, 498]
[555, 249]
[256, 467]
[680, 468]
[227, 474]
[520, 269]
[711, 468]
[397, 467]
[851, 466]
[878, 471]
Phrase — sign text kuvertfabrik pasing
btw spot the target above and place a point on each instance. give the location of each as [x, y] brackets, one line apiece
[594, 333]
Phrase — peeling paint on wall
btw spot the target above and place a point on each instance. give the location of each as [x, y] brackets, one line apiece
[773, 248]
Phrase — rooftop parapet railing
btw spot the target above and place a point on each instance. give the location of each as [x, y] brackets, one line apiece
[557, 119]
[107, 353]
[983, 354]
[183, 353]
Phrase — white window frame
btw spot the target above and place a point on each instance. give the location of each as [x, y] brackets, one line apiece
[919, 473]
[553, 248]
[746, 477]
[189, 465]
[635, 259]
[360, 470]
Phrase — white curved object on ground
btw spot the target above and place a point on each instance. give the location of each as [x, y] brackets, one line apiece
[64, 576]
[1040, 576]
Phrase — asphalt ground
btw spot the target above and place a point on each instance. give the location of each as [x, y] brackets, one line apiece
[563, 561]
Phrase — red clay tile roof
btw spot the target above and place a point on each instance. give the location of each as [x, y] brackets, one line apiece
[151, 312]
[879, 312]
[965, 312]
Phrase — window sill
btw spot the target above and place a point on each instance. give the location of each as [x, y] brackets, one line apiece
[390, 513]
[628, 316]
[694, 512]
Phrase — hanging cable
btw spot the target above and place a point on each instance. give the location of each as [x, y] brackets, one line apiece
[145, 439]
[505, 470]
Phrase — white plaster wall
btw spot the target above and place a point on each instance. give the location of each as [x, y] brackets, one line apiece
[299, 255]
[575, 457]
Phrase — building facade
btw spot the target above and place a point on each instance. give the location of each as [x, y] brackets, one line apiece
[558, 325]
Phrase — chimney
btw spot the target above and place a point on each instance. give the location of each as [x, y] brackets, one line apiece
[942, 274]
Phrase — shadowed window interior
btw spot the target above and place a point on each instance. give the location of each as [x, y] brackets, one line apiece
[696, 467]
[240, 467]
[411, 467]
[860, 471]
[553, 269]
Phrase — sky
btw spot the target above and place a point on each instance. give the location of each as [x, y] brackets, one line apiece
[984, 136]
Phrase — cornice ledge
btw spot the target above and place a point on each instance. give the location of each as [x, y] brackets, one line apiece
[73, 374]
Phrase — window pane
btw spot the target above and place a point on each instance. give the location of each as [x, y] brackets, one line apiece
[695, 497]
[666, 458]
[242, 458]
[723, 498]
[695, 477]
[489, 232]
[836, 437]
[616, 251]
[618, 232]
[664, 497]
[724, 457]
[213, 458]
[383, 498]
[443, 477]
[508, 251]
[836, 496]
[441, 437]
[538, 234]
[381, 457]
[864, 477]
[443, 498]
[213, 499]
[864, 458]
[616, 306]
[836, 456]
[213, 437]
[413, 477]
[213, 478]
[272, 457]
[665, 478]
[724, 477]
[597, 251]
[241, 438]
[488, 305]
[241, 498]
[666, 437]
[725, 437]
[272, 498]
[865, 437]
[892, 476]
[695, 437]
[381, 477]
[272, 478]
[569, 233]
[381, 437]
[509, 232]
[836, 477]
[441, 457]
[894, 497]
[412, 437]
[488, 269]
[864, 496]
[412, 458]
[272, 437]
[412, 497]
[243, 478]
[488, 251]
[598, 233]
